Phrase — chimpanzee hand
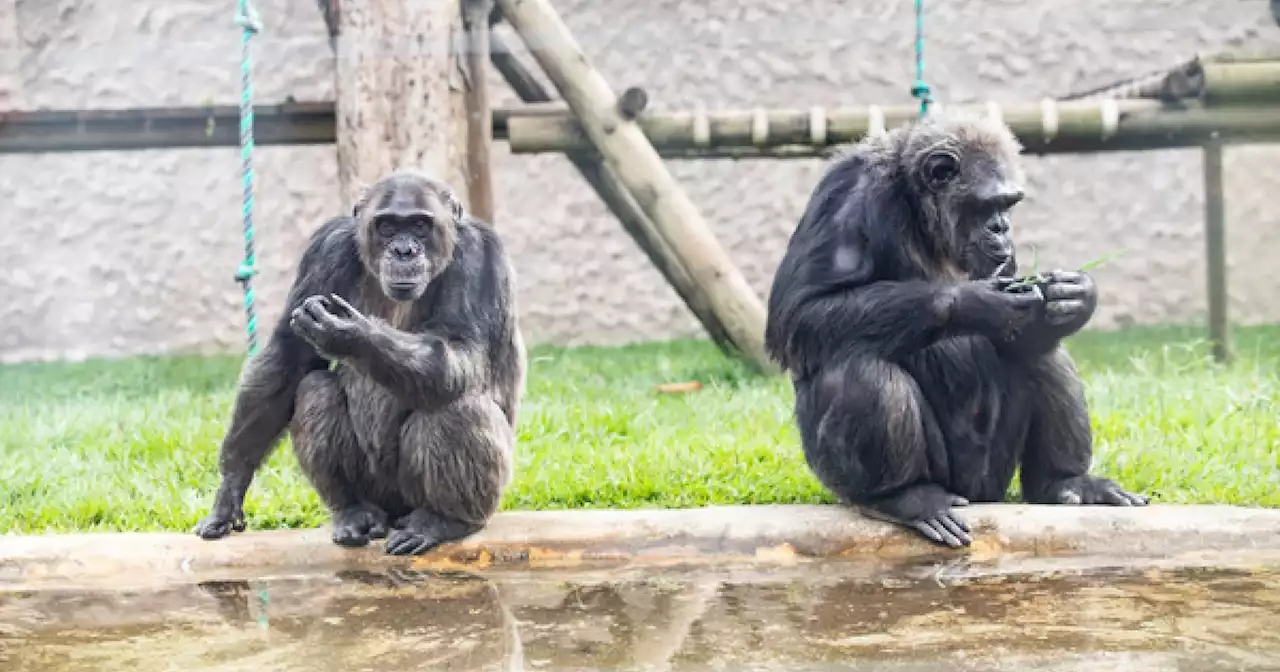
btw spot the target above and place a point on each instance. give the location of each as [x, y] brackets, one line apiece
[996, 309]
[330, 324]
[1070, 296]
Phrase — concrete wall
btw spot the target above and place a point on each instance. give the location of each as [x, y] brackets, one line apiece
[130, 252]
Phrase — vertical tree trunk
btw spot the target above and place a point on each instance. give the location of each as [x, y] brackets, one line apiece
[479, 115]
[400, 102]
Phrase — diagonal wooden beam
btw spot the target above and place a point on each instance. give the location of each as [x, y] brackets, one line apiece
[635, 162]
[616, 198]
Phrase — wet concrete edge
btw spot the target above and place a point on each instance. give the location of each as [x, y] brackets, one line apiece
[713, 535]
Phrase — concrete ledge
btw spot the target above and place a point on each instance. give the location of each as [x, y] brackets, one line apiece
[717, 535]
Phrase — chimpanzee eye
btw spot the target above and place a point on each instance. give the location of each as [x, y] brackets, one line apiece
[420, 225]
[385, 227]
[941, 168]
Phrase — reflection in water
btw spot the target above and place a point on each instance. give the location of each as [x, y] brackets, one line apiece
[809, 617]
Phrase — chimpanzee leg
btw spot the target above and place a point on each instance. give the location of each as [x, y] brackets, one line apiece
[454, 464]
[1059, 447]
[326, 447]
[870, 437]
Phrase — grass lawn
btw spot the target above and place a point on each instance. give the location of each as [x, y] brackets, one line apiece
[132, 444]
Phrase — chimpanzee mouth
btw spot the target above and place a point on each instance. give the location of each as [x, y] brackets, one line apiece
[402, 290]
[998, 256]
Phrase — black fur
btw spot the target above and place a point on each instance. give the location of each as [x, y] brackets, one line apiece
[922, 378]
[411, 433]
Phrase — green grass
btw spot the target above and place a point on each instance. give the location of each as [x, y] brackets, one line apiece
[132, 444]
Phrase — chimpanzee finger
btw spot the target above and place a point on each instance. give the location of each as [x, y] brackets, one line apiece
[343, 308]
[1060, 275]
[1027, 299]
[1115, 497]
[957, 500]
[1058, 312]
[957, 527]
[948, 538]
[1138, 499]
[958, 520]
[302, 322]
[927, 530]
[315, 307]
[1069, 496]
[1057, 291]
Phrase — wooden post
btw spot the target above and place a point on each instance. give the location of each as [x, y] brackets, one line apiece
[638, 166]
[1216, 252]
[400, 92]
[617, 199]
[479, 124]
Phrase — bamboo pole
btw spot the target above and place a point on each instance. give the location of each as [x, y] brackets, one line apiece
[615, 197]
[635, 162]
[1044, 128]
[1241, 82]
[1216, 252]
[479, 168]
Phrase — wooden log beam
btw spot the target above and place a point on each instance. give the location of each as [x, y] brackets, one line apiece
[479, 166]
[1216, 253]
[399, 95]
[34, 131]
[618, 200]
[131, 129]
[1044, 128]
[632, 158]
[1142, 125]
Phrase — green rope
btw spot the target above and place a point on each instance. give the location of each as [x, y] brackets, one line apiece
[247, 19]
[920, 89]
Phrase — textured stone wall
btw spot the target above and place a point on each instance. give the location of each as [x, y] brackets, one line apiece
[131, 252]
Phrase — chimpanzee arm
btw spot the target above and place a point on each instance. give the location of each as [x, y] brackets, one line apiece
[888, 319]
[265, 399]
[426, 370]
[263, 408]
[892, 319]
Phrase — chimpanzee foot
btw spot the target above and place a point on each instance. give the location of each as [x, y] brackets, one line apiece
[218, 524]
[927, 510]
[423, 530]
[355, 525]
[1086, 490]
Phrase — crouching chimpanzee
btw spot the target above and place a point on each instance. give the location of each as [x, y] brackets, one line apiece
[924, 374]
[411, 301]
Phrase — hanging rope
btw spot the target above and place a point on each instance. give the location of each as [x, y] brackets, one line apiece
[920, 89]
[247, 19]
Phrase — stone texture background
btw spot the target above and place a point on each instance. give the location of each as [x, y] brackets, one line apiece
[107, 254]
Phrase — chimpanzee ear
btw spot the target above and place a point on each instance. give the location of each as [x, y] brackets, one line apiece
[455, 206]
[361, 198]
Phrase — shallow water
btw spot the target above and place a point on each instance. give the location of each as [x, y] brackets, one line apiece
[821, 616]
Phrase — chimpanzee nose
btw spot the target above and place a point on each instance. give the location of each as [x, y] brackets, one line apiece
[999, 224]
[402, 249]
[1009, 196]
